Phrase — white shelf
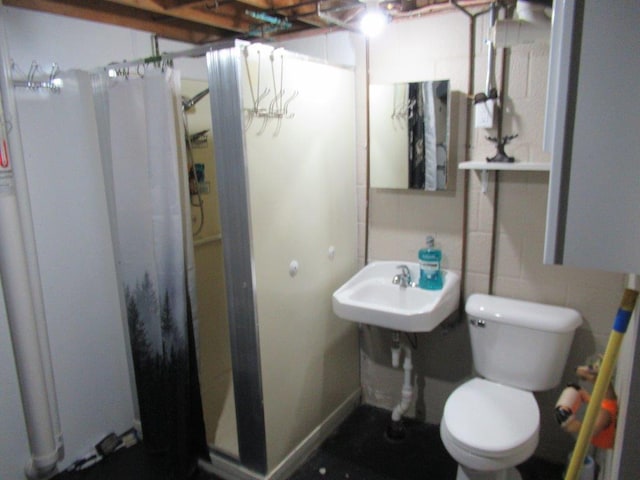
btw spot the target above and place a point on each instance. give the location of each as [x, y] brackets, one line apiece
[485, 167]
[517, 166]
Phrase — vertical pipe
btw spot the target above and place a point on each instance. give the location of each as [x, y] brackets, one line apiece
[368, 143]
[491, 55]
[494, 232]
[467, 142]
[24, 336]
[22, 291]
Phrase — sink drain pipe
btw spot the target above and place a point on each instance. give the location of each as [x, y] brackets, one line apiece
[396, 430]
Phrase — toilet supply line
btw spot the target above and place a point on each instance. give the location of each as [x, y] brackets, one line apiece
[620, 324]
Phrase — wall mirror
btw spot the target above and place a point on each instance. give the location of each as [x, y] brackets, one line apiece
[409, 135]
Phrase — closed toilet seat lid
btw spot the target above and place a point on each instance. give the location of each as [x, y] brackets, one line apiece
[491, 419]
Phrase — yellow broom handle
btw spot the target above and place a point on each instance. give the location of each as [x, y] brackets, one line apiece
[621, 322]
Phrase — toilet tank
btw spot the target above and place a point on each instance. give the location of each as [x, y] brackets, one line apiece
[518, 343]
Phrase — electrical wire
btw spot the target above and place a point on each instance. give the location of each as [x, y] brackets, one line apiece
[124, 440]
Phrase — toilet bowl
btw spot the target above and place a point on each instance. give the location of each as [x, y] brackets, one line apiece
[488, 428]
[491, 423]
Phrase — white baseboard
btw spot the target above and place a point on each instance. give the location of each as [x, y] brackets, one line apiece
[230, 470]
[299, 455]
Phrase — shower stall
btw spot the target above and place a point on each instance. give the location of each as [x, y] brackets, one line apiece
[284, 135]
[273, 210]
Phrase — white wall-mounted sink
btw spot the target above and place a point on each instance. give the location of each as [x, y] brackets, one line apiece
[371, 297]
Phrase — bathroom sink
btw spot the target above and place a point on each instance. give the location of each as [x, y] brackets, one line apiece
[372, 297]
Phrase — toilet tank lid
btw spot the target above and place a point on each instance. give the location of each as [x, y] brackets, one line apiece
[532, 315]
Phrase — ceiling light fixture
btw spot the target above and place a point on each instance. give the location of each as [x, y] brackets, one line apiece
[374, 19]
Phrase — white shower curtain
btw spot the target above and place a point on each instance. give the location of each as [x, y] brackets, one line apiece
[107, 161]
[75, 255]
[430, 155]
[155, 259]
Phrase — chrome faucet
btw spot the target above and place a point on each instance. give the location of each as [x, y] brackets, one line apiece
[403, 278]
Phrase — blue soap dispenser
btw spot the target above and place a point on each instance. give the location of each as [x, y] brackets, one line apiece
[430, 259]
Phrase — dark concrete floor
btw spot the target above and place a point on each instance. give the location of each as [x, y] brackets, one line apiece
[360, 450]
[130, 464]
[357, 450]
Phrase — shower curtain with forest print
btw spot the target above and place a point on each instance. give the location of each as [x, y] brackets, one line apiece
[423, 142]
[149, 190]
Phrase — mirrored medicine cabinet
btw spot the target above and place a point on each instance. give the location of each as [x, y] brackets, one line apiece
[410, 135]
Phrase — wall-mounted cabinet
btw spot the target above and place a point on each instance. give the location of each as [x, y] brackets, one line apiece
[593, 119]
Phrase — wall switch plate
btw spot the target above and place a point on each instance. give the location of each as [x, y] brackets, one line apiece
[485, 114]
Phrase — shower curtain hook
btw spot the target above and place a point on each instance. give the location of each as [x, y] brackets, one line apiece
[248, 119]
[256, 97]
[31, 75]
[53, 85]
[274, 111]
[278, 92]
[264, 124]
[276, 132]
[286, 105]
[255, 101]
[54, 72]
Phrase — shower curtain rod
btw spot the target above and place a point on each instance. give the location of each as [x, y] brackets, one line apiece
[195, 52]
[52, 83]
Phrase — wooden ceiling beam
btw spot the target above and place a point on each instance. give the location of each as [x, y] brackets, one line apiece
[202, 21]
[114, 14]
[225, 15]
[169, 4]
[259, 4]
[193, 21]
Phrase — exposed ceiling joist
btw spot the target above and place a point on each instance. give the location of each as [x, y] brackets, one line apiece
[204, 21]
[114, 14]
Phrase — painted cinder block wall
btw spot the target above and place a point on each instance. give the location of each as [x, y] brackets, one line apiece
[399, 221]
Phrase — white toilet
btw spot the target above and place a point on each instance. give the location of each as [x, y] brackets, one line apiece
[491, 424]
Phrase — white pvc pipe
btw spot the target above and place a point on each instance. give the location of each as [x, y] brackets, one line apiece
[395, 357]
[24, 209]
[491, 51]
[532, 25]
[407, 388]
[22, 291]
[24, 334]
[532, 12]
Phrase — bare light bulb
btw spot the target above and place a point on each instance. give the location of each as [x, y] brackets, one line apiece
[374, 20]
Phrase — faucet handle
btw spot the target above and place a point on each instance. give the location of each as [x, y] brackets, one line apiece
[403, 278]
[405, 270]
